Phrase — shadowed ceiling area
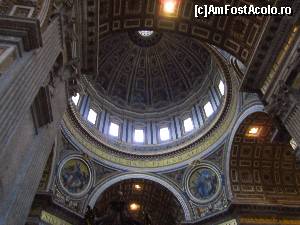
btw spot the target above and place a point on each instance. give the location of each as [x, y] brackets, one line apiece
[262, 171]
[152, 201]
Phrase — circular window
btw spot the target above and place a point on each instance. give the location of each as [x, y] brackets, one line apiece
[203, 183]
[75, 176]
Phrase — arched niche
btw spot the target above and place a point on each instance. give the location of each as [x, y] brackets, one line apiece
[109, 182]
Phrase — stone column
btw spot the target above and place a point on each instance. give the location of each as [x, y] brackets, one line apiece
[25, 146]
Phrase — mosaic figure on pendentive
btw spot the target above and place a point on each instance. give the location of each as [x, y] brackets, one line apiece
[203, 184]
[206, 184]
[75, 176]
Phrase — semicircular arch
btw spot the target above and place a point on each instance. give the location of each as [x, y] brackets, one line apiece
[107, 183]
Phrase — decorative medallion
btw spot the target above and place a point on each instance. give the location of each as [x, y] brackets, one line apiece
[203, 183]
[75, 176]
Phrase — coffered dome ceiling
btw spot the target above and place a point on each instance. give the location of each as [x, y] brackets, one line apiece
[136, 77]
[146, 84]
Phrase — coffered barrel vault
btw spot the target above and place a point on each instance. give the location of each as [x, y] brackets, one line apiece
[261, 171]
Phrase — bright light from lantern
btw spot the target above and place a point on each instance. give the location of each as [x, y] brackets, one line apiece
[134, 207]
[137, 187]
[169, 6]
[253, 130]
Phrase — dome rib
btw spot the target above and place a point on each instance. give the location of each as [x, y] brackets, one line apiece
[132, 79]
[166, 80]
